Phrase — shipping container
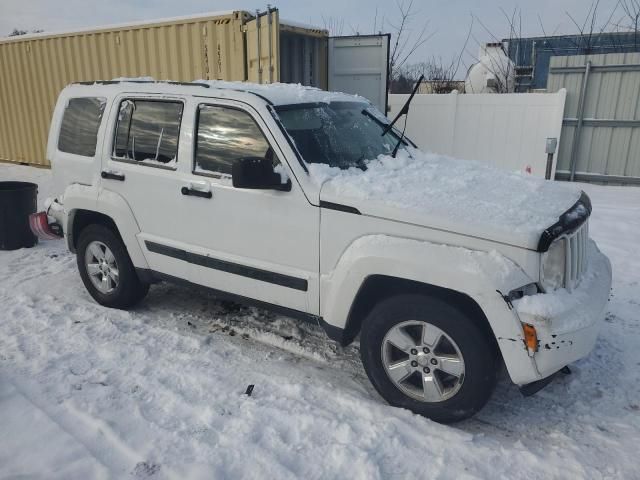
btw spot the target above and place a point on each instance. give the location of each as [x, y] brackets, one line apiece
[234, 45]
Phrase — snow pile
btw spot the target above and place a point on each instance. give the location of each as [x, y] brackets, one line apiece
[463, 191]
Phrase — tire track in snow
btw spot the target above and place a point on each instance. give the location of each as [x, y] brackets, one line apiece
[93, 434]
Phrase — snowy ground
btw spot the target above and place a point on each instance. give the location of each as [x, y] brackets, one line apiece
[87, 392]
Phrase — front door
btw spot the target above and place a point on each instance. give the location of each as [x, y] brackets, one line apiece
[259, 244]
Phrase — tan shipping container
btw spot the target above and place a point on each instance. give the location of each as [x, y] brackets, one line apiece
[35, 68]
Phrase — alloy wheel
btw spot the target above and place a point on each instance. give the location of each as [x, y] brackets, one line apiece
[102, 267]
[423, 361]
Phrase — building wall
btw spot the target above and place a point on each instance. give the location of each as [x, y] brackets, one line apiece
[504, 130]
[602, 139]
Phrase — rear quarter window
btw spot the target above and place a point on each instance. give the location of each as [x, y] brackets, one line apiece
[80, 123]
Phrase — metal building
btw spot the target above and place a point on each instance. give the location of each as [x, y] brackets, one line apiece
[532, 55]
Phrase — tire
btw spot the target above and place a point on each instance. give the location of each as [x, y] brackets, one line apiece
[122, 289]
[442, 397]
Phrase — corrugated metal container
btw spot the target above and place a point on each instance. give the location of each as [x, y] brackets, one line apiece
[601, 128]
[34, 68]
[303, 55]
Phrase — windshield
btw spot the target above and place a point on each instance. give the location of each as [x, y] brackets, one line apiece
[339, 134]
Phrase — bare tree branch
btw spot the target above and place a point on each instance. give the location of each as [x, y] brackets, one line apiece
[405, 41]
[335, 26]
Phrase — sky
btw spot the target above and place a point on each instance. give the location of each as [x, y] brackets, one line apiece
[447, 21]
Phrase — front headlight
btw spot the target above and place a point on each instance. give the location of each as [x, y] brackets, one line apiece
[554, 265]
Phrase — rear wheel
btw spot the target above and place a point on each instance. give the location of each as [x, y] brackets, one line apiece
[425, 355]
[106, 269]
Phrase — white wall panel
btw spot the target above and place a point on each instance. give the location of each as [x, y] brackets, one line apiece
[508, 131]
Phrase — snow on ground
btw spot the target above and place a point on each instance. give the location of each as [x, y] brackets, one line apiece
[157, 392]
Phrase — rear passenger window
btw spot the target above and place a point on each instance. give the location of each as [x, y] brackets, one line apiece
[80, 124]
[225, 135]
[148, 132]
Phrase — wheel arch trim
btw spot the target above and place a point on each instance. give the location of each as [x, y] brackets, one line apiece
[110, 208]
[475, 276]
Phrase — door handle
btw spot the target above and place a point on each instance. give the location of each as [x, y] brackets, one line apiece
[111, 175]
[195, 193]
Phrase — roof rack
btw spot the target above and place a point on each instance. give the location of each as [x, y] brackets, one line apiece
[168, 82]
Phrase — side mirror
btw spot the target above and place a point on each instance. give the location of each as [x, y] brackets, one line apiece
[257, 173]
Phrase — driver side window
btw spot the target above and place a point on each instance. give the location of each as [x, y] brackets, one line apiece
[224, 135]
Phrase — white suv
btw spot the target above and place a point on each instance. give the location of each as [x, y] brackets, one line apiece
[305, 202]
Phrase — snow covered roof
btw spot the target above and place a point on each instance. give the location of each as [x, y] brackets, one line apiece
[275, 93]
[285, 93]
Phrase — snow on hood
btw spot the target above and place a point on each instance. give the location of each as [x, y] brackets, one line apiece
[463, 196]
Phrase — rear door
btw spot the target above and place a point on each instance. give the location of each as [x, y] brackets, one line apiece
[359, 65]
[140, 164]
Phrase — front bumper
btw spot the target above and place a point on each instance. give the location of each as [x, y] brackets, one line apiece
[568, 323]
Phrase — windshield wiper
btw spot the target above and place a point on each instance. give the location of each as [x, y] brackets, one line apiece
[380, 122]
[403, 111]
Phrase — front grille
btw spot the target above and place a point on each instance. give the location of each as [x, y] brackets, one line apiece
[577, 246]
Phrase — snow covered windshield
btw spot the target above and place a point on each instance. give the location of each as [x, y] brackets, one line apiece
[339, 134]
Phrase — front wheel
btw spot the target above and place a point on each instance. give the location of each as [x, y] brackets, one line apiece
[425, 355]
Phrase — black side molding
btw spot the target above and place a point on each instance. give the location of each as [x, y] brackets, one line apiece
[229, 267]
[569, 221]
[339, 207]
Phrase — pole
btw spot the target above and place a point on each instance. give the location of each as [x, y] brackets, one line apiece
[258, 35]
[550, 149]
[576, 135]
[269, 24]
[547, 174]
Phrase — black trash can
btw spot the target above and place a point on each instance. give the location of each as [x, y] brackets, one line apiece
[18, 200]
